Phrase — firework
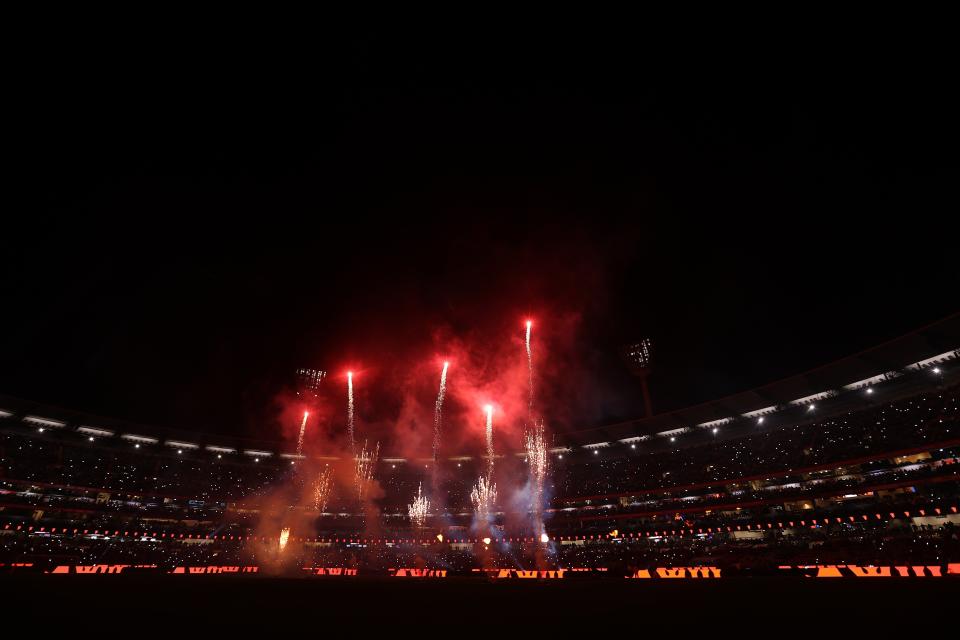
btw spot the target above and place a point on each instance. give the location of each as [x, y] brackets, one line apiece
[284, 536]
[483, 497]
[489, 411]
[538, 461]
[438, 411]
[321, 489]
[350, 409]
[366, 463]
[303, 429]
[418, 509]
[530, 370]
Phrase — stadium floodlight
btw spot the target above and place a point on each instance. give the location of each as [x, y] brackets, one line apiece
[639, 359]
[308, 382]
[936, 369]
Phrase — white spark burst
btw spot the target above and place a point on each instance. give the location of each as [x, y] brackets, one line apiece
[484, 497]
[438, 411]
[350, 410]
[417, 510]
[530, 370]
[365, 465]
[321, 489]
[538, 459]
[303, 429]
[489, 433]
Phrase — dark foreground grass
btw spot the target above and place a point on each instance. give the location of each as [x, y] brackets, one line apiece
[748, 607]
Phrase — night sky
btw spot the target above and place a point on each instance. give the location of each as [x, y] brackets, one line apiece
[188, 230]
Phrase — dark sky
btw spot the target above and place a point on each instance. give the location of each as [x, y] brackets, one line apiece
[189, 229]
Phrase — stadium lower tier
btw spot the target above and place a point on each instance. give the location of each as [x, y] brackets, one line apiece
[927, 538]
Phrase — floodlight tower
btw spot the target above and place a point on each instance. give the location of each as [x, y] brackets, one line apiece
[638, 359]
[308, 384]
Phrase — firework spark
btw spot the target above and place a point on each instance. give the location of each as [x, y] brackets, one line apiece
[303, 429]
[538, 460]
[284, 536]
[366, 463]
[438, 411]
[530, 371]
[350, 409]
[321, 489]
[483, 497]
[418, 509]
[489, 411]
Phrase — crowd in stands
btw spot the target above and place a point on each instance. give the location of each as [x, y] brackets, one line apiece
[844, 543]
[924, 419]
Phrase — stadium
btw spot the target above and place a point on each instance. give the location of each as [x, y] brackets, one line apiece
[492, 332]
[846, 472]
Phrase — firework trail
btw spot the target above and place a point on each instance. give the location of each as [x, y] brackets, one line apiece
[529, 372]
[303, 428]
[483, 497]
[417, 509]
[538, 460]
[438, 411]
[366, 464]
[350, 409]
[321, 489]
[284, 536]
[489, 410]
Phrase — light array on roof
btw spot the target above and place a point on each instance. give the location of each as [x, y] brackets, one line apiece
[95, 431]
[867, 382]
[44, 422]
[256, 453]
[132, 437]
[756, 413]
[672, 432]
[943, 357]
[216, 449]
[179, 444]
[596, 445]
[812, 398]
[715, 423]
